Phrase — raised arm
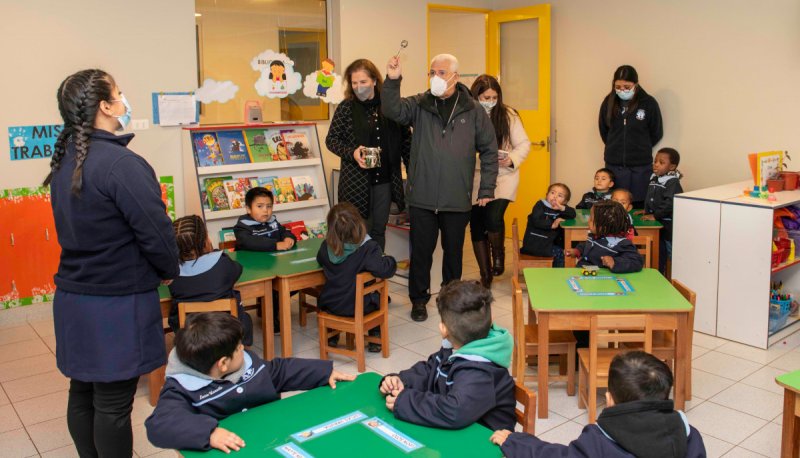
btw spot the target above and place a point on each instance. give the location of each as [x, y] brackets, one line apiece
[394, 107]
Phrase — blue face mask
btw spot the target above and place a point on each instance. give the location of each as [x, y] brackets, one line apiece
[625, 95]
[124, 119]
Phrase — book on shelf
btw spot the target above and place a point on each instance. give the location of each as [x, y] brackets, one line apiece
[206, 149]
[304, 188]
[298, 229]
[277, 146]
[317, 228]
[264, 182]
[215, 193]
[233, 147]
[284, 191]
[236, 189]
[227, 235]
[296, 144]
[257, 145]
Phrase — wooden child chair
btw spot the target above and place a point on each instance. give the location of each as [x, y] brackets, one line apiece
[521, 261]
[644, 244]
[527, 416]
[595, 361]
[358, 325]
[526, 344]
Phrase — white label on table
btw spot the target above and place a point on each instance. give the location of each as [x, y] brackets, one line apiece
[291, 450]
[391, 434]
[282, 253]
[329, 426]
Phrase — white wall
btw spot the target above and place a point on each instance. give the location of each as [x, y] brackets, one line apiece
[725, 73]
[148, 46]
[462, 34]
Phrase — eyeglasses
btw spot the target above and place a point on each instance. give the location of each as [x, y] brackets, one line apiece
[441, 73]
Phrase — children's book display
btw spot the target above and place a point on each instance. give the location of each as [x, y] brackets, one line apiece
[228, 193]
[245, 146]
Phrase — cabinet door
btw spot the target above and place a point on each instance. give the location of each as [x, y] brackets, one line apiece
[36, 250]
[6, 250]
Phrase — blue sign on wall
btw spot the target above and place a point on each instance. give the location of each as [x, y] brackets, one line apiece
[32, 142]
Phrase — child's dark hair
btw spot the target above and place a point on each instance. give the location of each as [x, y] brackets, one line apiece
[278, 63]
[674, 155]
[626, 192]
[258, 191]
[638, 376]
[79, 98]
[206, 338]
[191, 235]
[607, 172]
[610, 218]
[465, 309]
[613, 103]
[345, 225]
[567, 192]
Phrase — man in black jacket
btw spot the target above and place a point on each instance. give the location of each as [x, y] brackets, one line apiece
[449, 127]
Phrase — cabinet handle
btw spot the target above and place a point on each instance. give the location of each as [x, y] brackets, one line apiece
[13, 285]
[12, 239]
[47, 234]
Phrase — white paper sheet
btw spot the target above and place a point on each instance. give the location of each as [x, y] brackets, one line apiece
[177, 110]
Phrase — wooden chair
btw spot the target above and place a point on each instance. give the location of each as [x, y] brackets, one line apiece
[358, 325]
[527, 416]
[521, 261]
[595, 361]
[227, 245]
[305, 307]
[645, 246]
[526, 344]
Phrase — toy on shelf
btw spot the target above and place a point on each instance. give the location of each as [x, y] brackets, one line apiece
[590, 271]
[781, 305]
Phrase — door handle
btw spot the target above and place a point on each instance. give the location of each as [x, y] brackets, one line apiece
[541, 143]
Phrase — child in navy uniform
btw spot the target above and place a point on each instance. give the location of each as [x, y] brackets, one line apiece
[625, 198]
[607, 245]
[206, 275]
[603, 183]
[467, 380]
[346, 252]
[543, 235]
[639, 420]
[664, 184]
[210, 376]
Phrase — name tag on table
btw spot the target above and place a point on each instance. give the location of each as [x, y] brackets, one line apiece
[283, 253]
[291, 450]
[328, 426]
[394, 436]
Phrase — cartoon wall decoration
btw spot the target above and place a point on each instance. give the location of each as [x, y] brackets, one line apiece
[324, 84]
[216, 91]
[278, 78]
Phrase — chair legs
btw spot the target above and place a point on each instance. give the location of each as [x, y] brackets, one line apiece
[571, 371]
[155, 380]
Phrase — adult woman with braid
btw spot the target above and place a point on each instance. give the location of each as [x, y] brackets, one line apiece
[117, 245]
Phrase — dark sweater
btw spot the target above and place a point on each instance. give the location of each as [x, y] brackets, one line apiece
[116, 238]
[540, 237]
[659, 200]
[254, 236]
[591, 197]
[339, 292]
[626, 257]
[631, 136]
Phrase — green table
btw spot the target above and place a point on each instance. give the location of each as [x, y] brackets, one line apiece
[576, 230]
[268, 426]
[790, 438]
[558, 307]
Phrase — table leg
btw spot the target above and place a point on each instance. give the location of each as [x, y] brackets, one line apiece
[285, 305]
[790, 438]
[543, 358]
[568, 261]
[682, 365]
[266, 321]
[654, 253]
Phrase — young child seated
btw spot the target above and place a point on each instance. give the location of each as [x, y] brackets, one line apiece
[607, 245]
[664, 184]
[639, 419]
[543, 235]
[467, 380]
[603, 182]
[625, 198]
[210, 376]
[205, 275]
[259, 230]
[346, 252]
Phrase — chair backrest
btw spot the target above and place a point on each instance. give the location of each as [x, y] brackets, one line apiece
[219, 305]
[526, 417]
[227, 245]
[518, 360]
[362, 288]
[691, 297]
[603, 330]
[515, 248]
[644, 244]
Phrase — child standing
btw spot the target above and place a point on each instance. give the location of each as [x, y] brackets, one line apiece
[211, 376]
[346, 252]
[603, 183]
[543, 235]
[639, 419]
[467, 380]
[625, 198]
[664, 184]
[205, 275]
[607, 245]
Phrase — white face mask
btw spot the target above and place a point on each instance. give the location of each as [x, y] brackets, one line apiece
[488, 105]
[626, 95]
[439, 85]
[364, 92]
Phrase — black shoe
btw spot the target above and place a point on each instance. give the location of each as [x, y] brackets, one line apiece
[333, 341]
[374, 348]
[419, 311]
[389, 298]
[276, 329]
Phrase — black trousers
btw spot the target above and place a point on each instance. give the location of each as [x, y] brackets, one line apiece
[380, 202]
[633, 178]
[488, 218]
[99, 417]
[425, 228]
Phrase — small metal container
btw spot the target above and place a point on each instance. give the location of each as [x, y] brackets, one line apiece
[372, 157]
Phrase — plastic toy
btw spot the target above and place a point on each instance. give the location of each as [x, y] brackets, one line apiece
[590, 271]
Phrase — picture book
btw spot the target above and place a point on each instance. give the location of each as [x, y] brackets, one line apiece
[264, 182]
[233, 147]
[215, 192]
[303, 188]
[206, 149]
[284, 191]
[317, 228]
[277, 146]
[296, 144]
[236, 189]
[227, 235]
[298, 229]
[257, 144]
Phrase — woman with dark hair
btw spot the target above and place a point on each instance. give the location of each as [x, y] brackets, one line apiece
[117, 245]
[630, 126]
[359, 123]
[487, 227]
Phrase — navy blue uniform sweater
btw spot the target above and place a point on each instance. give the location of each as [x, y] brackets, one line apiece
[192, 403]
[254, 236]
[633, 132]
[633, 429]
[116, 238]
[626, 257]
[592, 197]
[659, 200]
[540, 237]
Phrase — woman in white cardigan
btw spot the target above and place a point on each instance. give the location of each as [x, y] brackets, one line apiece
[487, 227]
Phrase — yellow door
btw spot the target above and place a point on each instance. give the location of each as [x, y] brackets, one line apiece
[519, 55]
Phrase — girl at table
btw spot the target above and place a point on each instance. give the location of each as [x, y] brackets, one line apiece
[607, 245]
[347, 251]
[206, 274]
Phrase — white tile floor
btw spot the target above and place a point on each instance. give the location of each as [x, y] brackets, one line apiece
[736, 406]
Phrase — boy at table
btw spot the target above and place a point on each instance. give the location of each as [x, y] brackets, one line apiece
[210, 376]
[467, 380]
[639, 419]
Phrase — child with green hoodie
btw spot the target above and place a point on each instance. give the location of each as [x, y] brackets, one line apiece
[346, 252]
[467, 380]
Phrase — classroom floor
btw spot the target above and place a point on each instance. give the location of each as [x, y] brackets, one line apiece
[736, 406]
